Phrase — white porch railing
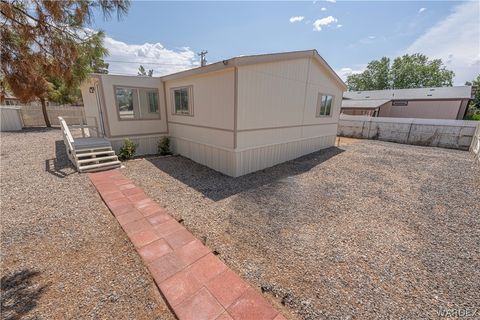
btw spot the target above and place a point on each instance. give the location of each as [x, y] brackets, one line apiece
[68, 140]
[90, 151]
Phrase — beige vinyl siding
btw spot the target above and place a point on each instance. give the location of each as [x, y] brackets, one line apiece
[249, 139]
[212, 99]
[133, 126]
[271, 94]
[277, 112]
[319, 81]
[207, 135]
[220, 138]
[90, 107]
[277, 102]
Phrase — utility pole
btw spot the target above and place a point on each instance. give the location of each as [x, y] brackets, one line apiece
[203, 59]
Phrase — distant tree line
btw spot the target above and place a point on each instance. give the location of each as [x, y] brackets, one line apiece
[407, 71]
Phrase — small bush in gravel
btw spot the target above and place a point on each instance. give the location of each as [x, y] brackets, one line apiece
[127, 151]
[164, 146]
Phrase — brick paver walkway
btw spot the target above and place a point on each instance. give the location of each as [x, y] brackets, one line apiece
[196, 284]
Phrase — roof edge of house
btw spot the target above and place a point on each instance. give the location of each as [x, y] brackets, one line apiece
[243, 61]
[254, 59]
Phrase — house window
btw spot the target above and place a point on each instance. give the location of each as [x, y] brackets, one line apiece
[125, 98]
[182, 101]
[324, 105]
[152, 101]
[136, 103]
[400, 103]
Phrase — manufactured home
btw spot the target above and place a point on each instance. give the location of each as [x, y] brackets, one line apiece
[235, 116]
[427, 103]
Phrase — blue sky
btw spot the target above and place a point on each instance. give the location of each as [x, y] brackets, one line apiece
[166, 36]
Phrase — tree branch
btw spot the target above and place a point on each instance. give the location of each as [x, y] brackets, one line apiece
[40, 22]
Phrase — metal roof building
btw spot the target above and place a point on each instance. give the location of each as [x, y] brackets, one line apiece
[427, 103]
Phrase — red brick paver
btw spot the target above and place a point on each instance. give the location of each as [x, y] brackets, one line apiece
[196, 284]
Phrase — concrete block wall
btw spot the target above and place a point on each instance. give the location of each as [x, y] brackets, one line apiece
[32, 116]
[455, 134]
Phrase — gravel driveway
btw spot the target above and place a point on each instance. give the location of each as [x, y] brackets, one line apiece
[63, 254]
[368, 230]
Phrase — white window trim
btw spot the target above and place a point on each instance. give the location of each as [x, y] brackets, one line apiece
[190, 101]
[319, 105]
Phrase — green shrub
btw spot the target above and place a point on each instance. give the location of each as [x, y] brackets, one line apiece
[164, 146]
[473, 117]
[127, 151]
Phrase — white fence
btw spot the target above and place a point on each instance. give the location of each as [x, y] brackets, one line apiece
[475, 146]
[33, 117]
[10, 118]
[456, 134]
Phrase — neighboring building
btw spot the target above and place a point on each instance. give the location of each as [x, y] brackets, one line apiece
[9, 100]
[428, 103]
[235, 116]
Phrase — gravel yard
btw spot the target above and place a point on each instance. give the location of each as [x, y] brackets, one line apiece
[367, 230]
[64, 256]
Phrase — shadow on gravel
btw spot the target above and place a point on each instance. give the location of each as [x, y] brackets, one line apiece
[20, 294]
[40, 129]
[217, 186]
[60, 166]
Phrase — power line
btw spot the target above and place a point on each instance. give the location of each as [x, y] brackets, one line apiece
[147, 62]
[134, 73]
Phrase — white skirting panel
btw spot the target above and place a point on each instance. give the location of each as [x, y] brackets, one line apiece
[10, 118]
[231, 162]
[240, 162]
[253, 159]
[145, 145]
[217, 158]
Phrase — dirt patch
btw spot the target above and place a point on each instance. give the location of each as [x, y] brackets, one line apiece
[343, 141]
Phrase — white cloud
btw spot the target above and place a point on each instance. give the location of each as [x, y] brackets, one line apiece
[371, 37]
[346, 71]
[317, 24]
[421, 10]
[151, 55]
[339, 25]
[332, 1]
[296, 19]
[455, 40]
[324, 9]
